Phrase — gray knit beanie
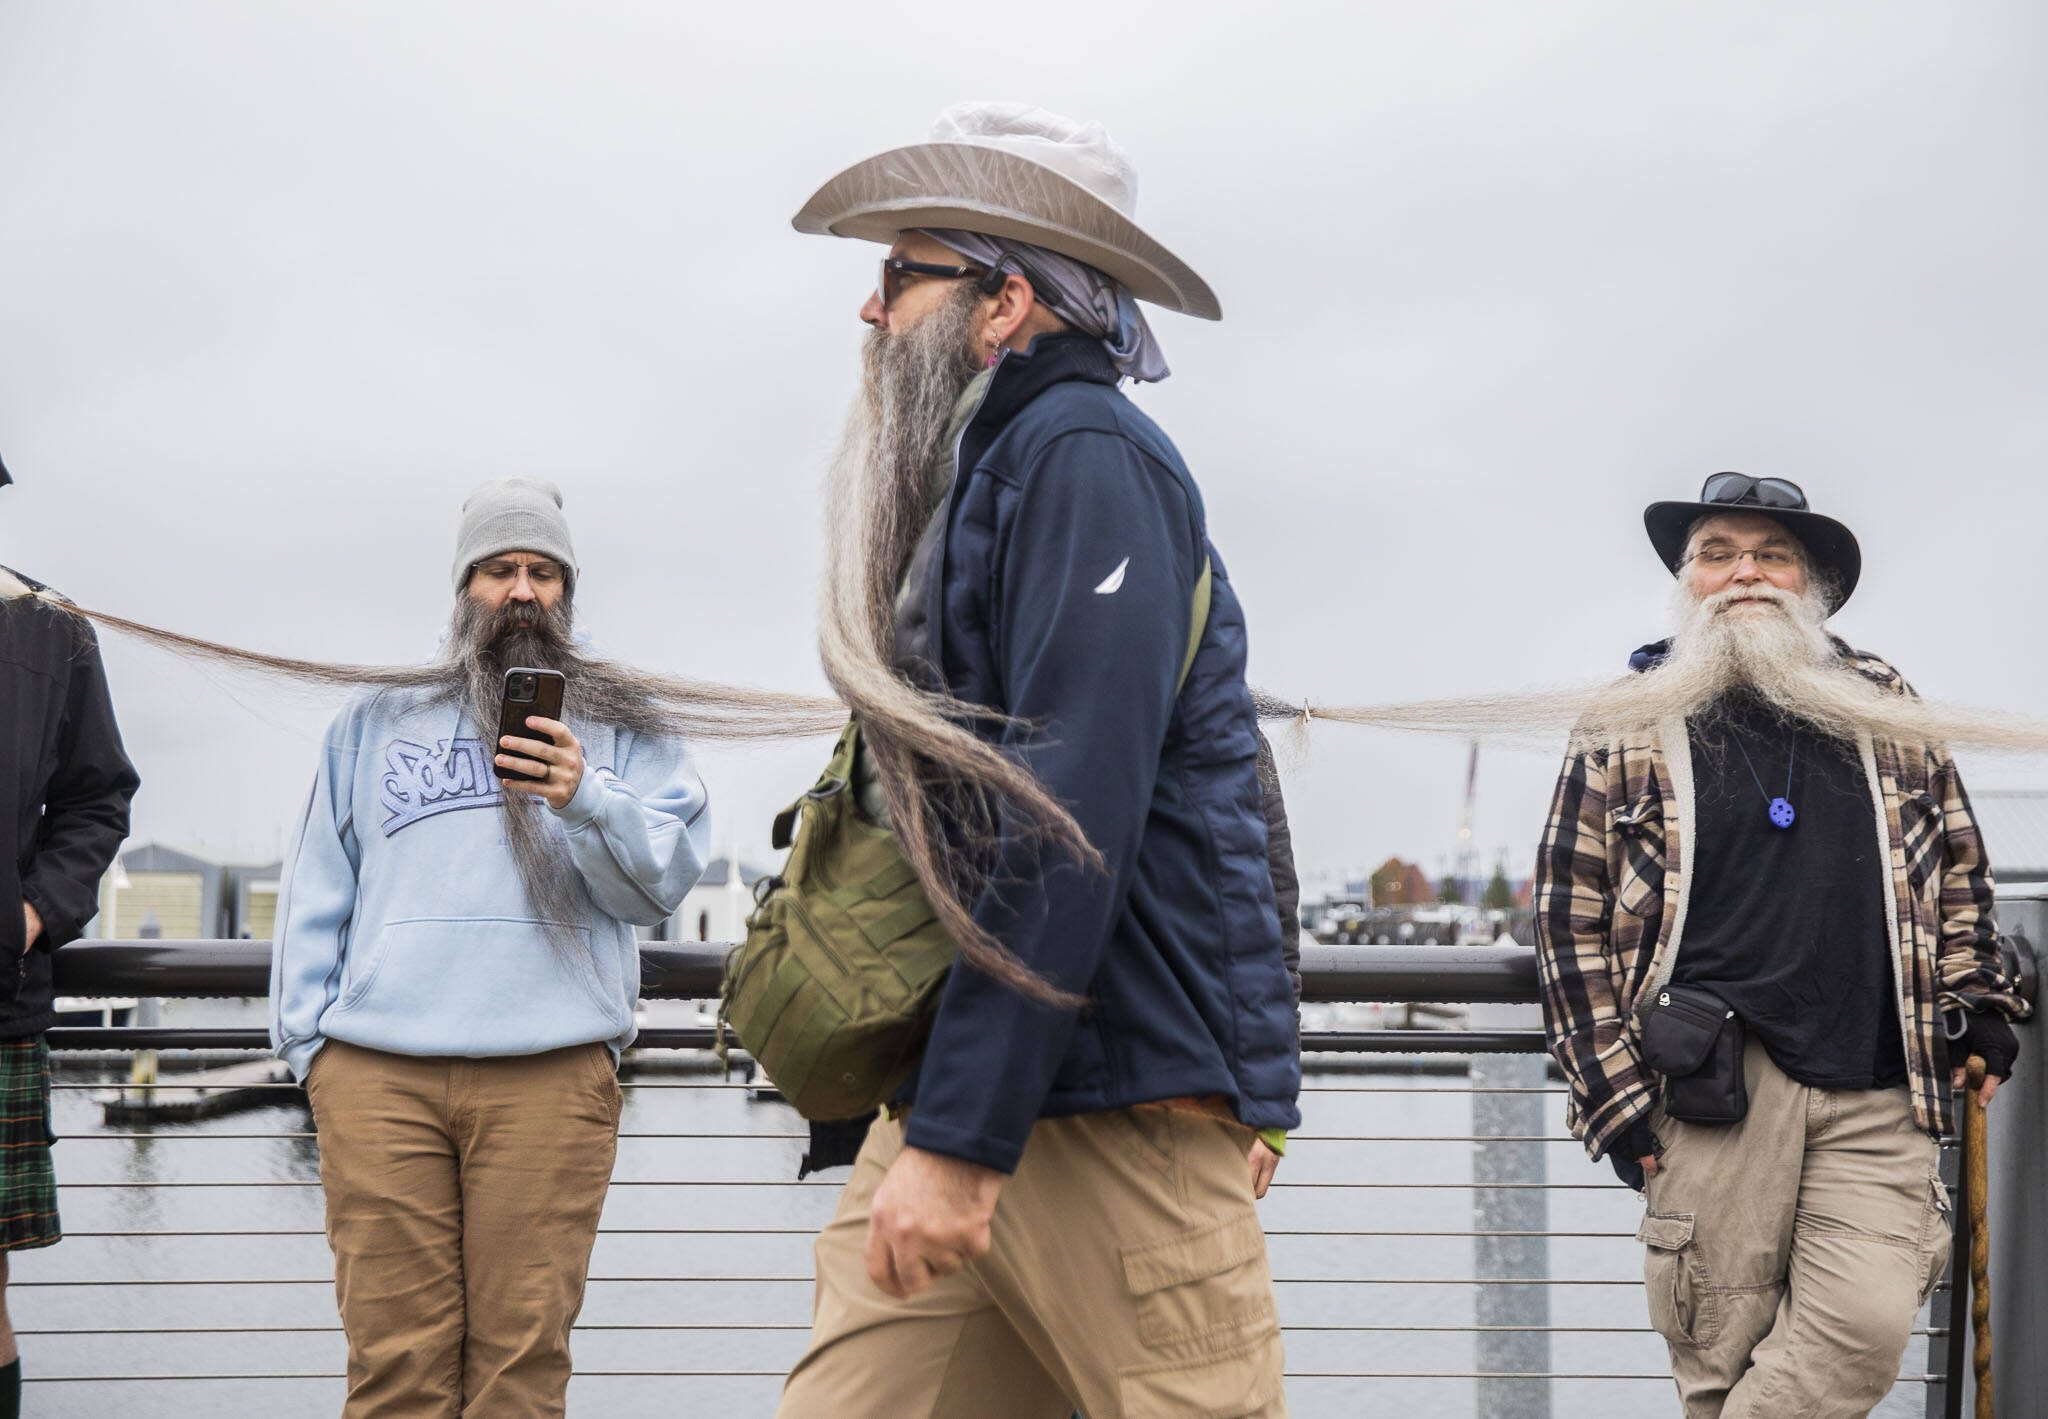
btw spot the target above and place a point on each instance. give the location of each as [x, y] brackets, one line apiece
[512, 515]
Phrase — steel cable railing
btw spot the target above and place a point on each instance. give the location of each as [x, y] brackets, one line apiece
[1496, 974]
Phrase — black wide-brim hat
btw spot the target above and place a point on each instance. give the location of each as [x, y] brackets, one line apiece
[1830, 546]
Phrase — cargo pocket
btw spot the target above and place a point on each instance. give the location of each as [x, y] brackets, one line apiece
[1937, 1236]
[1244, 1384]
[1208, 1289]
[1682, 1308]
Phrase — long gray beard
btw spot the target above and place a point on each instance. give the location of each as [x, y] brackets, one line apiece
[482, 644]
[469, 673]
[1785, 658]
[939, 779]
[880, 489]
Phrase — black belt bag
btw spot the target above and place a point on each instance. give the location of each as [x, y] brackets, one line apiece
[1694, 1040]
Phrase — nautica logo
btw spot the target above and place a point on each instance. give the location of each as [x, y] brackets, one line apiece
[1114, 580]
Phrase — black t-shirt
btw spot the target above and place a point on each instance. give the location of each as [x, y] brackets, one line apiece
[1788, 925]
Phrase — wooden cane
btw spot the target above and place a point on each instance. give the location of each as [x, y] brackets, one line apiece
[1977, 1188]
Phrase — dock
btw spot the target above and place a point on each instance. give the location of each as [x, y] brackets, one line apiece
[209, 1093]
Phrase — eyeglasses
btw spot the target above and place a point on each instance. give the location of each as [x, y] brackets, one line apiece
[895, 268]
[1741, 490]
[1720, 556]
[498, 572]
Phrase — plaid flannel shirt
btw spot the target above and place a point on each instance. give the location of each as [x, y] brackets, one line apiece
[1611, 896]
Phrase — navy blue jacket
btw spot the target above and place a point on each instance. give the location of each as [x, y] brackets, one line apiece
[1059, 589]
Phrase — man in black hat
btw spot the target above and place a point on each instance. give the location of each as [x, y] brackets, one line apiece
[1765, 939]
[68, 785]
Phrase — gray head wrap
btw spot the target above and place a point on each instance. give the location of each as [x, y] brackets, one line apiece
[1080, 295]
[512, 515]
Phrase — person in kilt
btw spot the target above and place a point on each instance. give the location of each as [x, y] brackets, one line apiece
[68, 785]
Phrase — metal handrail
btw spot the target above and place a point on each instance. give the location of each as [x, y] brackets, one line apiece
[1504, 975]
[1482, 975]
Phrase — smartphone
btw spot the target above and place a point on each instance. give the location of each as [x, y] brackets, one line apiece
[527, 691]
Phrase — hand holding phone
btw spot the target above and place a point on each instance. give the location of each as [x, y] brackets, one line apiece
[528, 692]
[537, 753]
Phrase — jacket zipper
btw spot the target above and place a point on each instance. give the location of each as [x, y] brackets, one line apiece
[933, 613]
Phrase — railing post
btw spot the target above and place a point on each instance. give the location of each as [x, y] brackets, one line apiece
[2018, 1155]
[1520, 1209]
[142, 1068]
[1948, 1354]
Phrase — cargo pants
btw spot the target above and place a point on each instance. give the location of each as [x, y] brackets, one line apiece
[1127, 1278]
[1786, 1255]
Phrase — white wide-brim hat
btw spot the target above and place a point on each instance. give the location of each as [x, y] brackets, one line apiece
[1012, 170]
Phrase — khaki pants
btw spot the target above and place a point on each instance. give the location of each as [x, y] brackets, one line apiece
[1787, 1254]
[462, 1204]
[1127, 1278]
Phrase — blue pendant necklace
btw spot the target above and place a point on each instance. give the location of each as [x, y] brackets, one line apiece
[1783, 815]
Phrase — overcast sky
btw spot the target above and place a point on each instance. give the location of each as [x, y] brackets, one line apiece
[279, 284]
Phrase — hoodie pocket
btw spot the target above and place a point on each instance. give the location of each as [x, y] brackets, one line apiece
[483, 985]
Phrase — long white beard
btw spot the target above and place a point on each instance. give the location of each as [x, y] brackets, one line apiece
[1775, 646]
[1782, 654]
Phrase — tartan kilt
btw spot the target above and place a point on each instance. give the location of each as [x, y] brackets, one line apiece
[28, 1178]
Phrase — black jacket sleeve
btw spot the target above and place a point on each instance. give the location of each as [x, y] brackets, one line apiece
[1280, 862]
[85, 806]
[1093, 604]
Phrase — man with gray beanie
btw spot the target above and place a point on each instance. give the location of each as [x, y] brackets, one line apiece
[454, 974]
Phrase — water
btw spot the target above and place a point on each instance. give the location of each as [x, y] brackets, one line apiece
[740, 1229]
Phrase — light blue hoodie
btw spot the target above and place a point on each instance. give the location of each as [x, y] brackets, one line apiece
[402, 924]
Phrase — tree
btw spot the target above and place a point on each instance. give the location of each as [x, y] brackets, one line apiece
[1394, 884]
[1450, 891]
[1499, 896]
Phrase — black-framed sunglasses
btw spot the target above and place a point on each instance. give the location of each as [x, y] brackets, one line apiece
[1741, 490]
[895, 268]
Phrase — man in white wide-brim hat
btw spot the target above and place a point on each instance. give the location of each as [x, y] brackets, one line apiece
[1057, 1211]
